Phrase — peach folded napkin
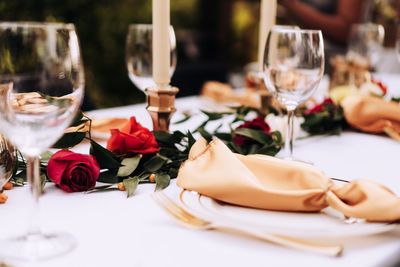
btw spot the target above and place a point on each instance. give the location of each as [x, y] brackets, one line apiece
[373, 115]
[224, 93]
[105, 125]
[266, 182]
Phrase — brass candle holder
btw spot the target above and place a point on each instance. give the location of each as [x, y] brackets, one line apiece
[161, 106]
[255, 81]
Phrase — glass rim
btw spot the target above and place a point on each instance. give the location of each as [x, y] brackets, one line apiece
[367, 24]
[144, 25]
[36, 24]
[295, 30]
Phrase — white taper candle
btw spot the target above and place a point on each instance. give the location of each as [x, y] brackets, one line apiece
[267, 21]
[161, 42]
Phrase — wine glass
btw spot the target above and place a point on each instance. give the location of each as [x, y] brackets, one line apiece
[7, 160]
[41, 88]
[398, 42]
[139, 54]
[293, 67]
[366, 43]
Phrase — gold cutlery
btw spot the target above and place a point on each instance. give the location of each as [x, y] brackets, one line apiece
[392, 133]
[189, 220]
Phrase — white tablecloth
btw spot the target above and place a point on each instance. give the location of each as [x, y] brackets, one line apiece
[115, 231]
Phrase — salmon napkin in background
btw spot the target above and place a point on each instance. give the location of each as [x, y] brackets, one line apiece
[265, 182]
[373, 114]
[103, 126]
[224, 93]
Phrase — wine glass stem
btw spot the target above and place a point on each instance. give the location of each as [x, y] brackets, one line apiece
[289, 134]
[33, 173]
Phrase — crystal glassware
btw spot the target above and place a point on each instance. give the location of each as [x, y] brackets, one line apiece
[139, 54]
[293, 67]
[366, 43]
[7, 160]
[398, 42]
[41, 88]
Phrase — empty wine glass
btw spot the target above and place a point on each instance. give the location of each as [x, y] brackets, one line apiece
[41, 88]
[366, 43]
[139, 54]
[398, 43]
[293, 67]
[7, 160]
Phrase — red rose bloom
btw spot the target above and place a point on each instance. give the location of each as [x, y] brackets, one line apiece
[256, 124]
[320, 107]
[73, 172]
[132, 138]
[381, 85]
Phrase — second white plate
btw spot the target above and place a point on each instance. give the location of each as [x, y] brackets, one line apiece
[327, 223]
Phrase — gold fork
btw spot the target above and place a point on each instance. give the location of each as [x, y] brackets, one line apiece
[187, 219]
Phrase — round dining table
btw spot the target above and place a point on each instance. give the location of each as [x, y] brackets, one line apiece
[113, 230]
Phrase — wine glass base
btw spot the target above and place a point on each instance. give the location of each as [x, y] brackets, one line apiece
[36, 247]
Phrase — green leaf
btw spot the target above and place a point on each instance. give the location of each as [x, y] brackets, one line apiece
[235, 148]
[212, 116]
[224, 136]
[154, 164]
[201, 126]
[163, 137]
[78, 119]
[173, 172]
[129, 165]
[18, 181]
[270, 150]
[17, 165]
[109, 177]
[178, 136]
[69, 140]
[206, 135]
[143, 177]
[131, 185]
[43, 180]
[253, 148]
[105, 158]
[168, 138]
[191, 140]
[103, 188]
[395, 99]
[162, 181]
[256, 135]
[21, 175]
[184, 119]
[45, 156]
[277, 137]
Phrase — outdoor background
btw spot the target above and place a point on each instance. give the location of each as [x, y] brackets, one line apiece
[216, 38]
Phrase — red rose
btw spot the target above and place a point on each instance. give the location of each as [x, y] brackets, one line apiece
[320, 107]
[132, 138]
[381, 85]
[73, 172]
[256, 124]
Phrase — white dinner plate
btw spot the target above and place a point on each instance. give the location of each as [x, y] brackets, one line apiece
[326, 224]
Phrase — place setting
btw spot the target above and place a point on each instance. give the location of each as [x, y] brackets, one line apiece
[299, 158]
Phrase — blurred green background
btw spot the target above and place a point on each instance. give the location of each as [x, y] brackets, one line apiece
[102, 27]
[214, 38]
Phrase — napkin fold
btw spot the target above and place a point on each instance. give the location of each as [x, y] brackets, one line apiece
[224, 93]
[372, 114]
[105, 125]
[265, 182]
